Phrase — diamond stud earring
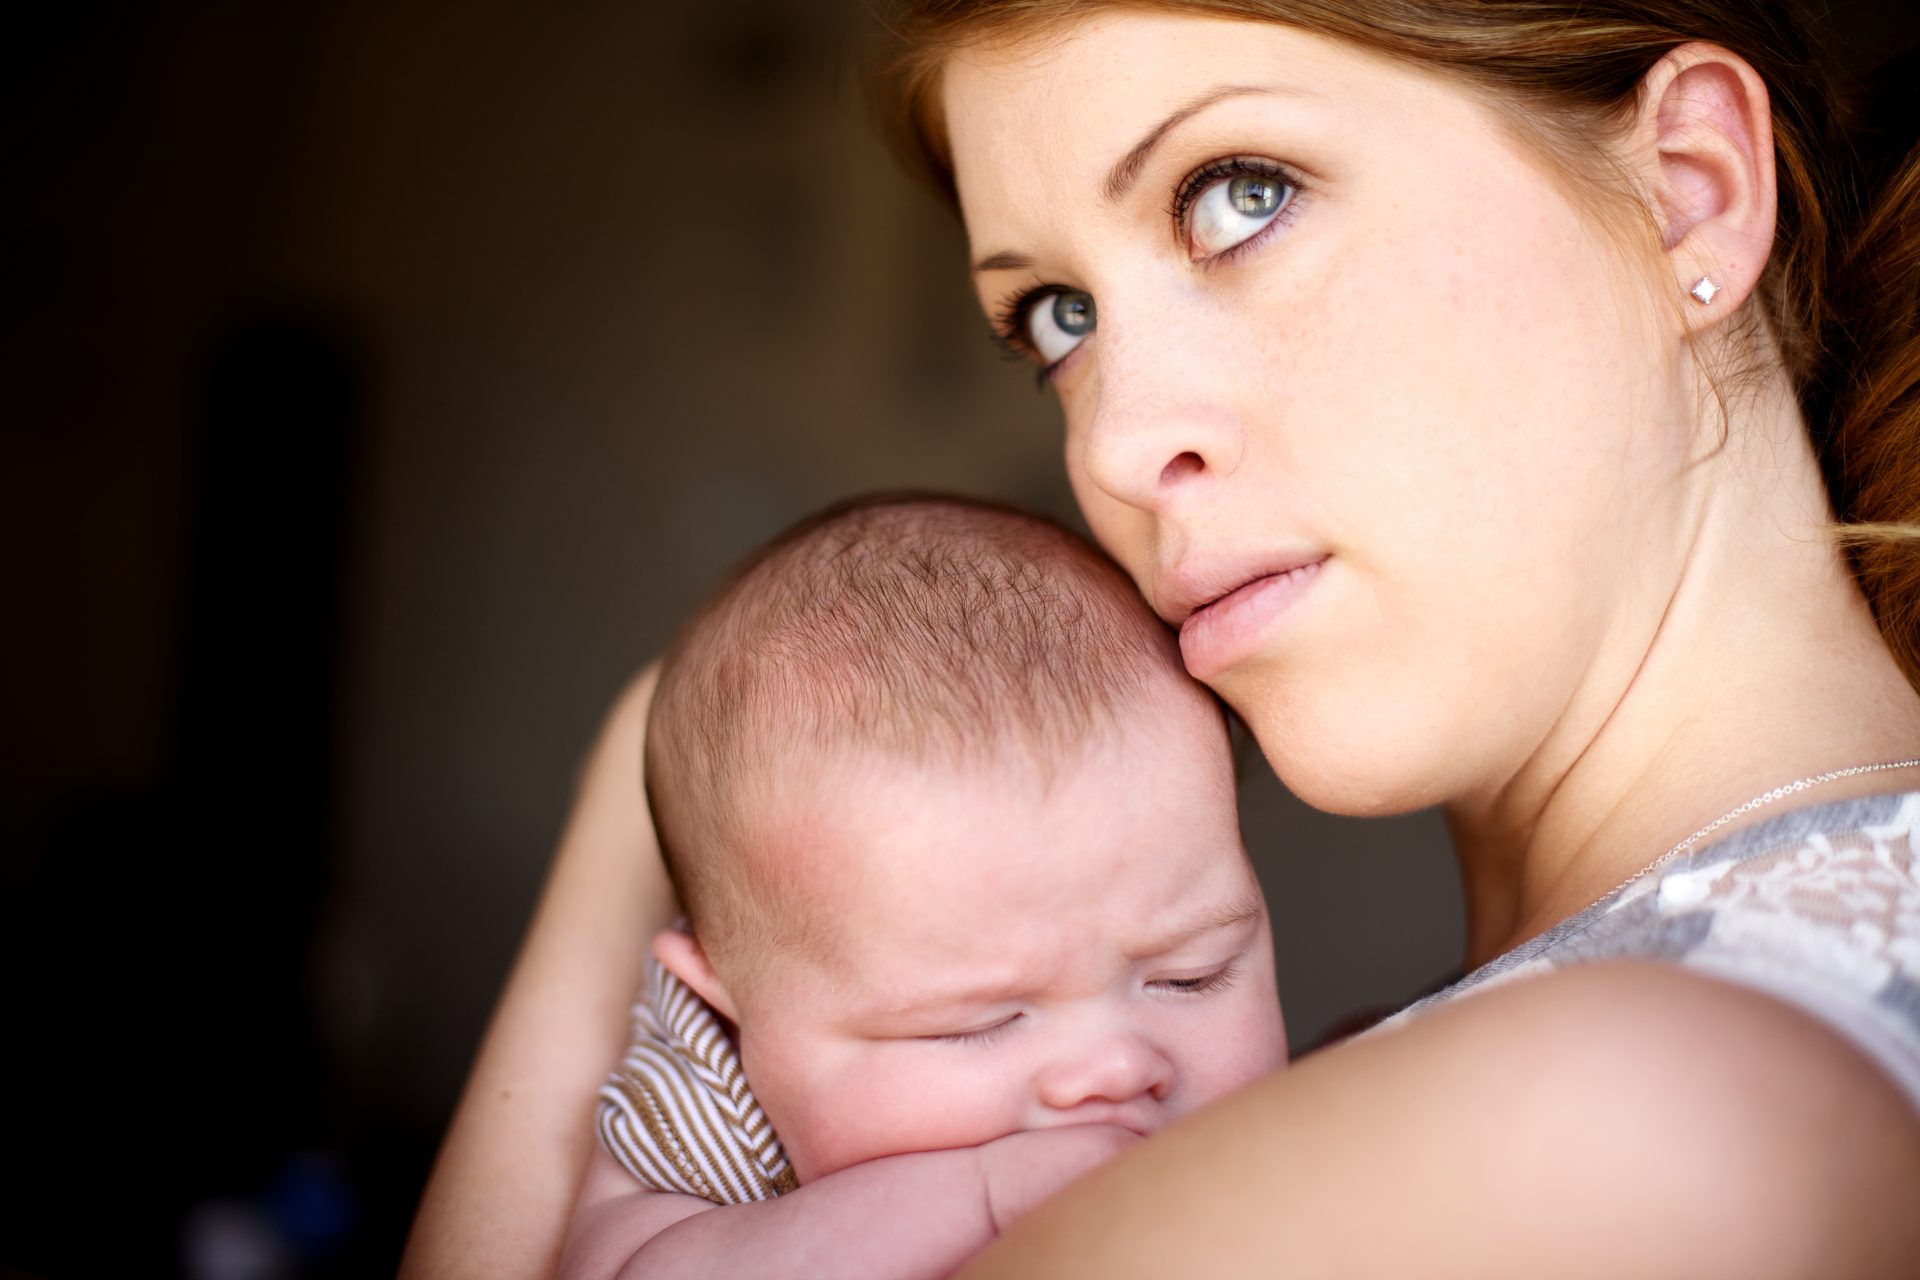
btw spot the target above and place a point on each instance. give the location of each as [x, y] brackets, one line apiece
[1703, 290]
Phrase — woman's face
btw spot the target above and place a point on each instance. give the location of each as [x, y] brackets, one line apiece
[1365, 403]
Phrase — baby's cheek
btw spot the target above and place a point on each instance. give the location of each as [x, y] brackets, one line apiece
[897, 1101]
[1247, 1046]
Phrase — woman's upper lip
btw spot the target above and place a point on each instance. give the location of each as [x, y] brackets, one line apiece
[1184, 590]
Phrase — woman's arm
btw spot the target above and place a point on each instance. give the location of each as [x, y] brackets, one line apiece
[498, 1199]
[1618, 1120]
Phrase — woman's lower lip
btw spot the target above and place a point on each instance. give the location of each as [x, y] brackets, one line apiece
[1231, 628]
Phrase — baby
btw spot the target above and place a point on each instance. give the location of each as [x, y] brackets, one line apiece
[969, 908]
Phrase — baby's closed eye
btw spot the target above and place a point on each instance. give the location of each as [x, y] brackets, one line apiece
[978, 1035]
[1218, 980]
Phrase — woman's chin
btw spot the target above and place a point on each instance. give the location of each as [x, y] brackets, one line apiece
[1338, 770]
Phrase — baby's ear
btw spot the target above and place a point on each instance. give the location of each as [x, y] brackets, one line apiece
[686, 960]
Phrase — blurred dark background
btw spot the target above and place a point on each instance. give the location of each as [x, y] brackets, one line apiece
[381, 384]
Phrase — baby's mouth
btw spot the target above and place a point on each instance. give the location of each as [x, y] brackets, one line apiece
[1141, 1120]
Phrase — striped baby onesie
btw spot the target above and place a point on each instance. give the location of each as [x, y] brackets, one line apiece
[678, 1113]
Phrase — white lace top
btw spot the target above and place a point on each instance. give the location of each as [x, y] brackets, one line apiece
[1819, 907]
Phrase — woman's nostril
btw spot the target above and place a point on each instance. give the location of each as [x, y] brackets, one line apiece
[1186, 464]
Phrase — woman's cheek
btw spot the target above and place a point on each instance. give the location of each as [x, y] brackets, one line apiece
[1123, 532]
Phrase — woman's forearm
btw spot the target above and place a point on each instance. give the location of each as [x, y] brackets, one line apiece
[498, 1199]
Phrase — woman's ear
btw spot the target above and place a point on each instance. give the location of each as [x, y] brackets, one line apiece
[1704, 151]
[686, 960]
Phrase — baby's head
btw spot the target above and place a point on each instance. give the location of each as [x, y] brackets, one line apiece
[957, 836]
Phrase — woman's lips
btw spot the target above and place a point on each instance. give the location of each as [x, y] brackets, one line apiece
[1226, 631]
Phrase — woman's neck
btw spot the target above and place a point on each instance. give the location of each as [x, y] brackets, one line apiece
[1758, 664]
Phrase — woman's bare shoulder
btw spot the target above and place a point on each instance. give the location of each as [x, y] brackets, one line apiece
[1607, 1120]
[1687, 1083]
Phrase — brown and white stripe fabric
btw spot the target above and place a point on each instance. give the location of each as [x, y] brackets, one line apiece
[678, 1113]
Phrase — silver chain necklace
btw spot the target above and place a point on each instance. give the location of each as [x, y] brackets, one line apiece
[1759, 801]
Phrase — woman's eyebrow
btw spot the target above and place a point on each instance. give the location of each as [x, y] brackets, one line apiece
[1005, 260]
[1123, 175]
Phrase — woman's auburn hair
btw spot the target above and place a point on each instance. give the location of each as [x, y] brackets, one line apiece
[1841, 291]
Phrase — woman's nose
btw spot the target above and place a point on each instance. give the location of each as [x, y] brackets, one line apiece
[1159, 423]
[1106, 1068]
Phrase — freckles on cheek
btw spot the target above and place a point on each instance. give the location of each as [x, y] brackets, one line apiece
[1489, 374]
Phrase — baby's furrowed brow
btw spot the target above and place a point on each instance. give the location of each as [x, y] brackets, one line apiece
[1240, 911]
[951, 1000]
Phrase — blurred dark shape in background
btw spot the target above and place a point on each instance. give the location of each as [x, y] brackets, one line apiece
[381, 385]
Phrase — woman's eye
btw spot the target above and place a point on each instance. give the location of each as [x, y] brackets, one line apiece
[1059, 322]
[1233, 210]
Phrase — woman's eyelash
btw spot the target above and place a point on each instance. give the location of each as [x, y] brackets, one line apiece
[1010, 328]
[1009, 322]
[1219, 980]
[979, 1036]
[1223, 170]
[1203, 179]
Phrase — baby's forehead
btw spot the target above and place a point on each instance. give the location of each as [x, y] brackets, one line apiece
[850, 835]
[809, 802]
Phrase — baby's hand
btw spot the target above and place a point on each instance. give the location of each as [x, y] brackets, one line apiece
[1023, 1169]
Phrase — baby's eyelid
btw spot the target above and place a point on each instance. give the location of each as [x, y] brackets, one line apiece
[1214, 979]
[976, 1033]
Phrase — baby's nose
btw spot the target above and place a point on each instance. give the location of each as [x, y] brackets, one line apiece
[1107, 1068]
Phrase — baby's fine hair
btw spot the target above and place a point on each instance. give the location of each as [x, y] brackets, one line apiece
[923, 626]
